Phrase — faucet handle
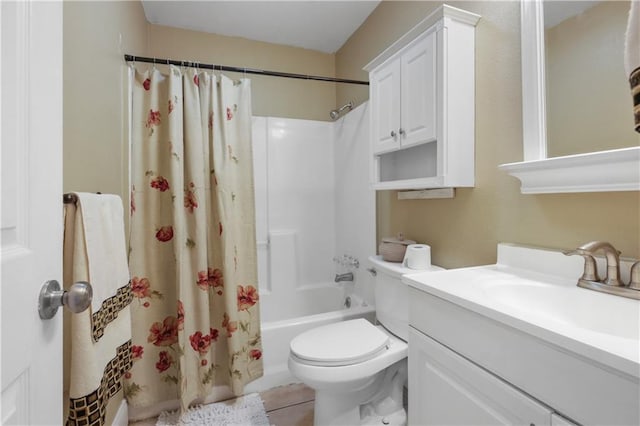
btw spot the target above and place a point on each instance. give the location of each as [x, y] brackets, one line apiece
[590, 269]
[634, 282]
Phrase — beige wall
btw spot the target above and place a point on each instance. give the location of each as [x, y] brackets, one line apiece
[272, 96]
[588, 96]
[95, 153]
[96, 35]
[465, 230]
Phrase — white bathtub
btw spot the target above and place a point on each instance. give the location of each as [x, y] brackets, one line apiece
[276, 336]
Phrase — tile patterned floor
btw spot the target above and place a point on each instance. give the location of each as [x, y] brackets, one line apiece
[290, 405]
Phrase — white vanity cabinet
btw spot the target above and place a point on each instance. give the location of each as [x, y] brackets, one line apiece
[447, 389]
[423, 106]
[464, 365]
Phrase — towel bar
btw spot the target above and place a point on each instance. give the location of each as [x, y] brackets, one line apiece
[71, 198]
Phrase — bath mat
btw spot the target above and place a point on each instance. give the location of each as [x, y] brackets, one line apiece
[246, 410]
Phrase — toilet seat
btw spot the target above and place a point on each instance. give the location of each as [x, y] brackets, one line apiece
[328, 376]
[340, 344]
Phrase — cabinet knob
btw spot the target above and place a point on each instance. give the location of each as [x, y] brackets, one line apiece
[401, 131]
[393, 133]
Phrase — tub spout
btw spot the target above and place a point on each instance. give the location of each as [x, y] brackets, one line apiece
[344, 277]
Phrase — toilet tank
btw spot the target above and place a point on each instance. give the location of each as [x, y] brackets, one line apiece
[392, 295]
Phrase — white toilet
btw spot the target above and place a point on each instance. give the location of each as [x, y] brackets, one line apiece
[358, 370]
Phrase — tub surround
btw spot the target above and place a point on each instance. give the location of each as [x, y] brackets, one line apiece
[303, 220]
[571, 349]
[313, 202]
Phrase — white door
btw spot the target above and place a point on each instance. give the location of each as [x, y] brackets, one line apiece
[31, 197]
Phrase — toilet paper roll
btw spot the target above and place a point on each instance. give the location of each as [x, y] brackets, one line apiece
[418, 256]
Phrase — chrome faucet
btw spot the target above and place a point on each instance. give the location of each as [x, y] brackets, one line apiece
[611, 283]
[344, 277]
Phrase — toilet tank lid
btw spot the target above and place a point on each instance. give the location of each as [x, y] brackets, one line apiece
[341, 343]
[397, 269]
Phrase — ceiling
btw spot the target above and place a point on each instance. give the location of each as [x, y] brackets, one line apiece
[318, 25]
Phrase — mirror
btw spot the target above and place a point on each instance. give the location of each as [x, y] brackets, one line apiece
[599, 169]
[588, 102]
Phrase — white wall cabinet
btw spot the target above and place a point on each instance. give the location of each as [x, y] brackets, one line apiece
[446, 389]
[423, 107]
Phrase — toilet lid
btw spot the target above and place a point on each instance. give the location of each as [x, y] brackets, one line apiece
[341, 343]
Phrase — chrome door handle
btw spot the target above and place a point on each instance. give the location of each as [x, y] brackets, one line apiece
[77, 299]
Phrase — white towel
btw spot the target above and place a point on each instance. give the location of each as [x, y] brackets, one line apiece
[102, 222]
[632, 58]
[100, 337]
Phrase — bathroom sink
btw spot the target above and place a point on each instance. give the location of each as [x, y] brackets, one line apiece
[571, 306]
[535, 291]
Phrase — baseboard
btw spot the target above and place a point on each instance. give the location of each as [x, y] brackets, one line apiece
[122, 415]
[271, 380]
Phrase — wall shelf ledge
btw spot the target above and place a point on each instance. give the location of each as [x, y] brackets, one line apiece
[614, 170]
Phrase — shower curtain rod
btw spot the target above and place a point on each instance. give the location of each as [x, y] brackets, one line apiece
[131, 58]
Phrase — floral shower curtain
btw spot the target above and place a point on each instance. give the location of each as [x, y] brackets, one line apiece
[192, 257]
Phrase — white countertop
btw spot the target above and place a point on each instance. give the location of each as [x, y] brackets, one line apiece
[546, 304]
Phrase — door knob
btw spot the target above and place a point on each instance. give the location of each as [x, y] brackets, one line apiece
[76, 299]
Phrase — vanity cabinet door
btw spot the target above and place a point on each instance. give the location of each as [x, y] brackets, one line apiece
[447, 389]
[385, 107]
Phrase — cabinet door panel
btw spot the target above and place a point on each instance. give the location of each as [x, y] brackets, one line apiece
[385, 110]
[418, 92]
[446, 389]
